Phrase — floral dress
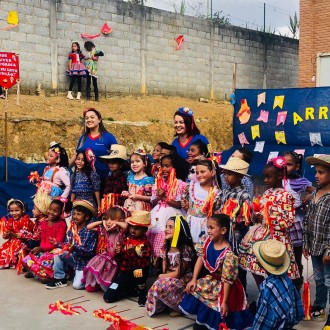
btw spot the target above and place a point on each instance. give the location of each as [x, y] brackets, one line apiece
[101, 269]
[277, 207]
[205, 301]
[10, 249]
[141, 187]
[201, 203]
[169, 291]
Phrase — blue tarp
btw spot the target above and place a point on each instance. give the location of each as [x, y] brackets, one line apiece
[18, 185]
[298, 103]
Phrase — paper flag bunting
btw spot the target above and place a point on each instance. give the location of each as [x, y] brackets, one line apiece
[244, 112]
[280, 137]
[242, 139]
[278, 101]
[261, 98]
[281, 117]
[12, 20]
[179, 40]
[255, 131]
[315, 138]
[259, 146]
[272, 155]
[263, 116]
[300, 151]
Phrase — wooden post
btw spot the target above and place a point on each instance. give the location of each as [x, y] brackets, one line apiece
[234, 77]
[6, 132]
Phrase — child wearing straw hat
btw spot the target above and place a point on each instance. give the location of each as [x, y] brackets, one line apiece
[316, 235]
[133, 258]
[236, 202]
[279, 304]
[78, 248]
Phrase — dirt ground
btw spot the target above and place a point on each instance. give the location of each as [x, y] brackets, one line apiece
[134, 120]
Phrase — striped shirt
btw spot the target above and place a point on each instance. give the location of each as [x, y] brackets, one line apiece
[316, 237]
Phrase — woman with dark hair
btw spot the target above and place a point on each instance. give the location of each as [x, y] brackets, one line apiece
[98, 139]
[186, 131]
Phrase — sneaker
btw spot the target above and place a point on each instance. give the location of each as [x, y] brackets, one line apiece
[92, 288]
[318, 314]
[142, 301]
[57, 284]
[327, 324]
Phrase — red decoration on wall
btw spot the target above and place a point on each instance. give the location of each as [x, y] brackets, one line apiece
[9, 69]
[179, 40]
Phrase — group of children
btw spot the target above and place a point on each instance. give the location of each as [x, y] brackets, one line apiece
[194, 228]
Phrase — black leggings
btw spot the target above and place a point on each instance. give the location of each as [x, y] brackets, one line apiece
[73, 79]
[89, 79]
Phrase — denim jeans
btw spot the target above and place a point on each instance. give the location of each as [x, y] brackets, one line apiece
[61, 261]
[322, 281]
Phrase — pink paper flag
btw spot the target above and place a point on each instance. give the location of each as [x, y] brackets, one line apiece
[281, 117]
[242, 139]
[263, 116]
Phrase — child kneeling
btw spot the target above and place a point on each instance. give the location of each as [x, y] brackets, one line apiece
[82, 244]
[133, 258]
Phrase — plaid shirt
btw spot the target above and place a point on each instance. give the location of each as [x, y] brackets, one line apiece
[279, 305]
[116, 184]
[84, 252]
[134, 254]
[247, 183]
[316, 237]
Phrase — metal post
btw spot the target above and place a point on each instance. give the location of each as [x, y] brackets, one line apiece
[211, 9]
[264, 17]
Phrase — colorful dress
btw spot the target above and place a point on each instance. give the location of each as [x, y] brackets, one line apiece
[56, 181]
[141, 187]
[101, 269]
[201, 203]
[205, 301]
[32, 238]
[114, 186]
[78, 69]
[277, 206]
[169, 291]
[297, 187]
[10, 249]
[162, 212]
[91, 59]
[41, 264]
[84, 188]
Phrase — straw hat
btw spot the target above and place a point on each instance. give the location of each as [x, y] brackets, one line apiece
[323, 160]
[236, 165]
[42, 201]
[116, 151]
[88, 205]
[272, 255]
[140, 218]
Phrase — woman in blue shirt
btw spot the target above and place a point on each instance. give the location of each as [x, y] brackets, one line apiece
[186, 131]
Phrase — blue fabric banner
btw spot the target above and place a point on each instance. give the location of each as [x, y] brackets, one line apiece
[285, 119]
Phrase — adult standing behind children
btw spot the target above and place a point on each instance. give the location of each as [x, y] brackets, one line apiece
[186, 131]
[98, 139]
[91, 58]
[316, 235]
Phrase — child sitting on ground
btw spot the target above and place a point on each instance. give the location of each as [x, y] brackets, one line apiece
[133, 258]
[100, 270]
[78, 247]
[279, 304]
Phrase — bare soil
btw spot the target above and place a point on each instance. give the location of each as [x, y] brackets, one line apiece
[134, 120]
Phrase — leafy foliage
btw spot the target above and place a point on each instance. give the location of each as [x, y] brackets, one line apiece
[294, 25]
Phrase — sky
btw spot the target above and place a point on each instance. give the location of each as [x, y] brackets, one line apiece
[244, 13]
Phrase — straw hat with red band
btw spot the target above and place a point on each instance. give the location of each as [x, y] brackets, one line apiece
[88, 205]
[272, 256]
[140, 218]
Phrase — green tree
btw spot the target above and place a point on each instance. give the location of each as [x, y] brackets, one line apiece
[219, 18]
[182, 8]
[294, 25]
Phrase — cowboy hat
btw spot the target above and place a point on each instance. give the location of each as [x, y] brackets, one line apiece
[272, 255]
[236, 165]
[140, 218]
[117, 151]
[323, 160]
[86, 204]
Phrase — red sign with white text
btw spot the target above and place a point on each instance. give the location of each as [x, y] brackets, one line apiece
[9, 69]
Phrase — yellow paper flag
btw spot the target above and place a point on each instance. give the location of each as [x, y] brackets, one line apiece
[280, 137]
[255, 131]
[278, 101]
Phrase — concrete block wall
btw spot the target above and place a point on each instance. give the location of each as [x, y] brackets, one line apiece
[140, 53]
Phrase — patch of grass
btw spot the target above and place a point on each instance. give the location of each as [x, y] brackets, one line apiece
[154, 120]
[110, 119]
